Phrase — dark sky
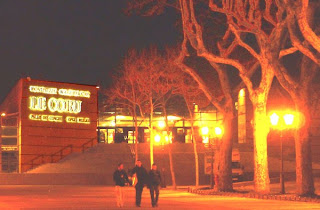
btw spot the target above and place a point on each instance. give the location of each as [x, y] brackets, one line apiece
[77, 41]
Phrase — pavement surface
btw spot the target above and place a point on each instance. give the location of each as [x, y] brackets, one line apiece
[102, 197]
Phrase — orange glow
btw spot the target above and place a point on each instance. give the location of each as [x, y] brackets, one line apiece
[3, 114]
[286, 119]
[161, 124]
[168, 139]
[157, 139]
[242, 93]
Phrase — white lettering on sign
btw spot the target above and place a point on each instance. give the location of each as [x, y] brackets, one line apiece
[37, 103]
[62, 91]
[84, 120]
[41, 89]
[75, 93]
[64, 105]
[59, 118]
[57, 105]
[50, 118]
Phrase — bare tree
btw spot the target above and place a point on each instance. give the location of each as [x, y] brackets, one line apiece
[126, 93]
[223, 100]
[251, 28]
[165, 89]
[299, 87]
[189, 89]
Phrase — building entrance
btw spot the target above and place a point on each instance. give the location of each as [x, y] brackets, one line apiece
[10, 161]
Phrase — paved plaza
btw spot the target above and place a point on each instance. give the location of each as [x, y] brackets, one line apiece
[102, 197]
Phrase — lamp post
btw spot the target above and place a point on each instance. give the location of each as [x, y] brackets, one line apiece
[284, 121]
[217, 136]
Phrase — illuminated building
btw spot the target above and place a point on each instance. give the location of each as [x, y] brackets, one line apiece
[117, 125]
[43, 121]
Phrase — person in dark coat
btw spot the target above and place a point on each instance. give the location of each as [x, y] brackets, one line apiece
[120, 178]
[142, 179]
[154, 184]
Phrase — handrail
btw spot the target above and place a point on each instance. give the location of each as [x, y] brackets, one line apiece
[31, 162]
[59, 153]
[84, 144]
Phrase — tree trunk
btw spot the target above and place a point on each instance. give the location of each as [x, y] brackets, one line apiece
[304, 176]
[136, 130]
[150, 132]
[225, 154]
[260, 132]
[173, 176]
[195, 151]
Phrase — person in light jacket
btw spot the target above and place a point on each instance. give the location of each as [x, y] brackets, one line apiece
[120, 178]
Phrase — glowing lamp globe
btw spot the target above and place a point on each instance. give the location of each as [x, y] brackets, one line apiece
[288, 119]
[205, 130]
[274, 119]
[218, 131]
[157, 139]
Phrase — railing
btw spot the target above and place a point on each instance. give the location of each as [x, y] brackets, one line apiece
[84, 146]
[40, 159]
[60, 153]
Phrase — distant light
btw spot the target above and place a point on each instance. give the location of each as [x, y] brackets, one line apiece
[218, 131]
[3, 114]
[204, 131]
[97, 87]
[161, 124]
[157, 139]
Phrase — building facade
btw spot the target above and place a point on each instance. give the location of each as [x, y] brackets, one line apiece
[43, 121]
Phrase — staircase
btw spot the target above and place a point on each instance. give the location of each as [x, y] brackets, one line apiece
[96, 165]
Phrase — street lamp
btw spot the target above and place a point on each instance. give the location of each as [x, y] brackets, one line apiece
[285, 120]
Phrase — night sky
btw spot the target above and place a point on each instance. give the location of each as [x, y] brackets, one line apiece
[77, 41]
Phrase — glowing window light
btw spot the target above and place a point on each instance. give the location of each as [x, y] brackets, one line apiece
[171, 117]
[161, 124]
[168, 139]
[205, 140]
[242, 93]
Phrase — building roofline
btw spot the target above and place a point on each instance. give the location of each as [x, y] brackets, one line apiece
[51, 81]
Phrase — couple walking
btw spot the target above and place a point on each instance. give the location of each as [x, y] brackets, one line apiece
[142, 178]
